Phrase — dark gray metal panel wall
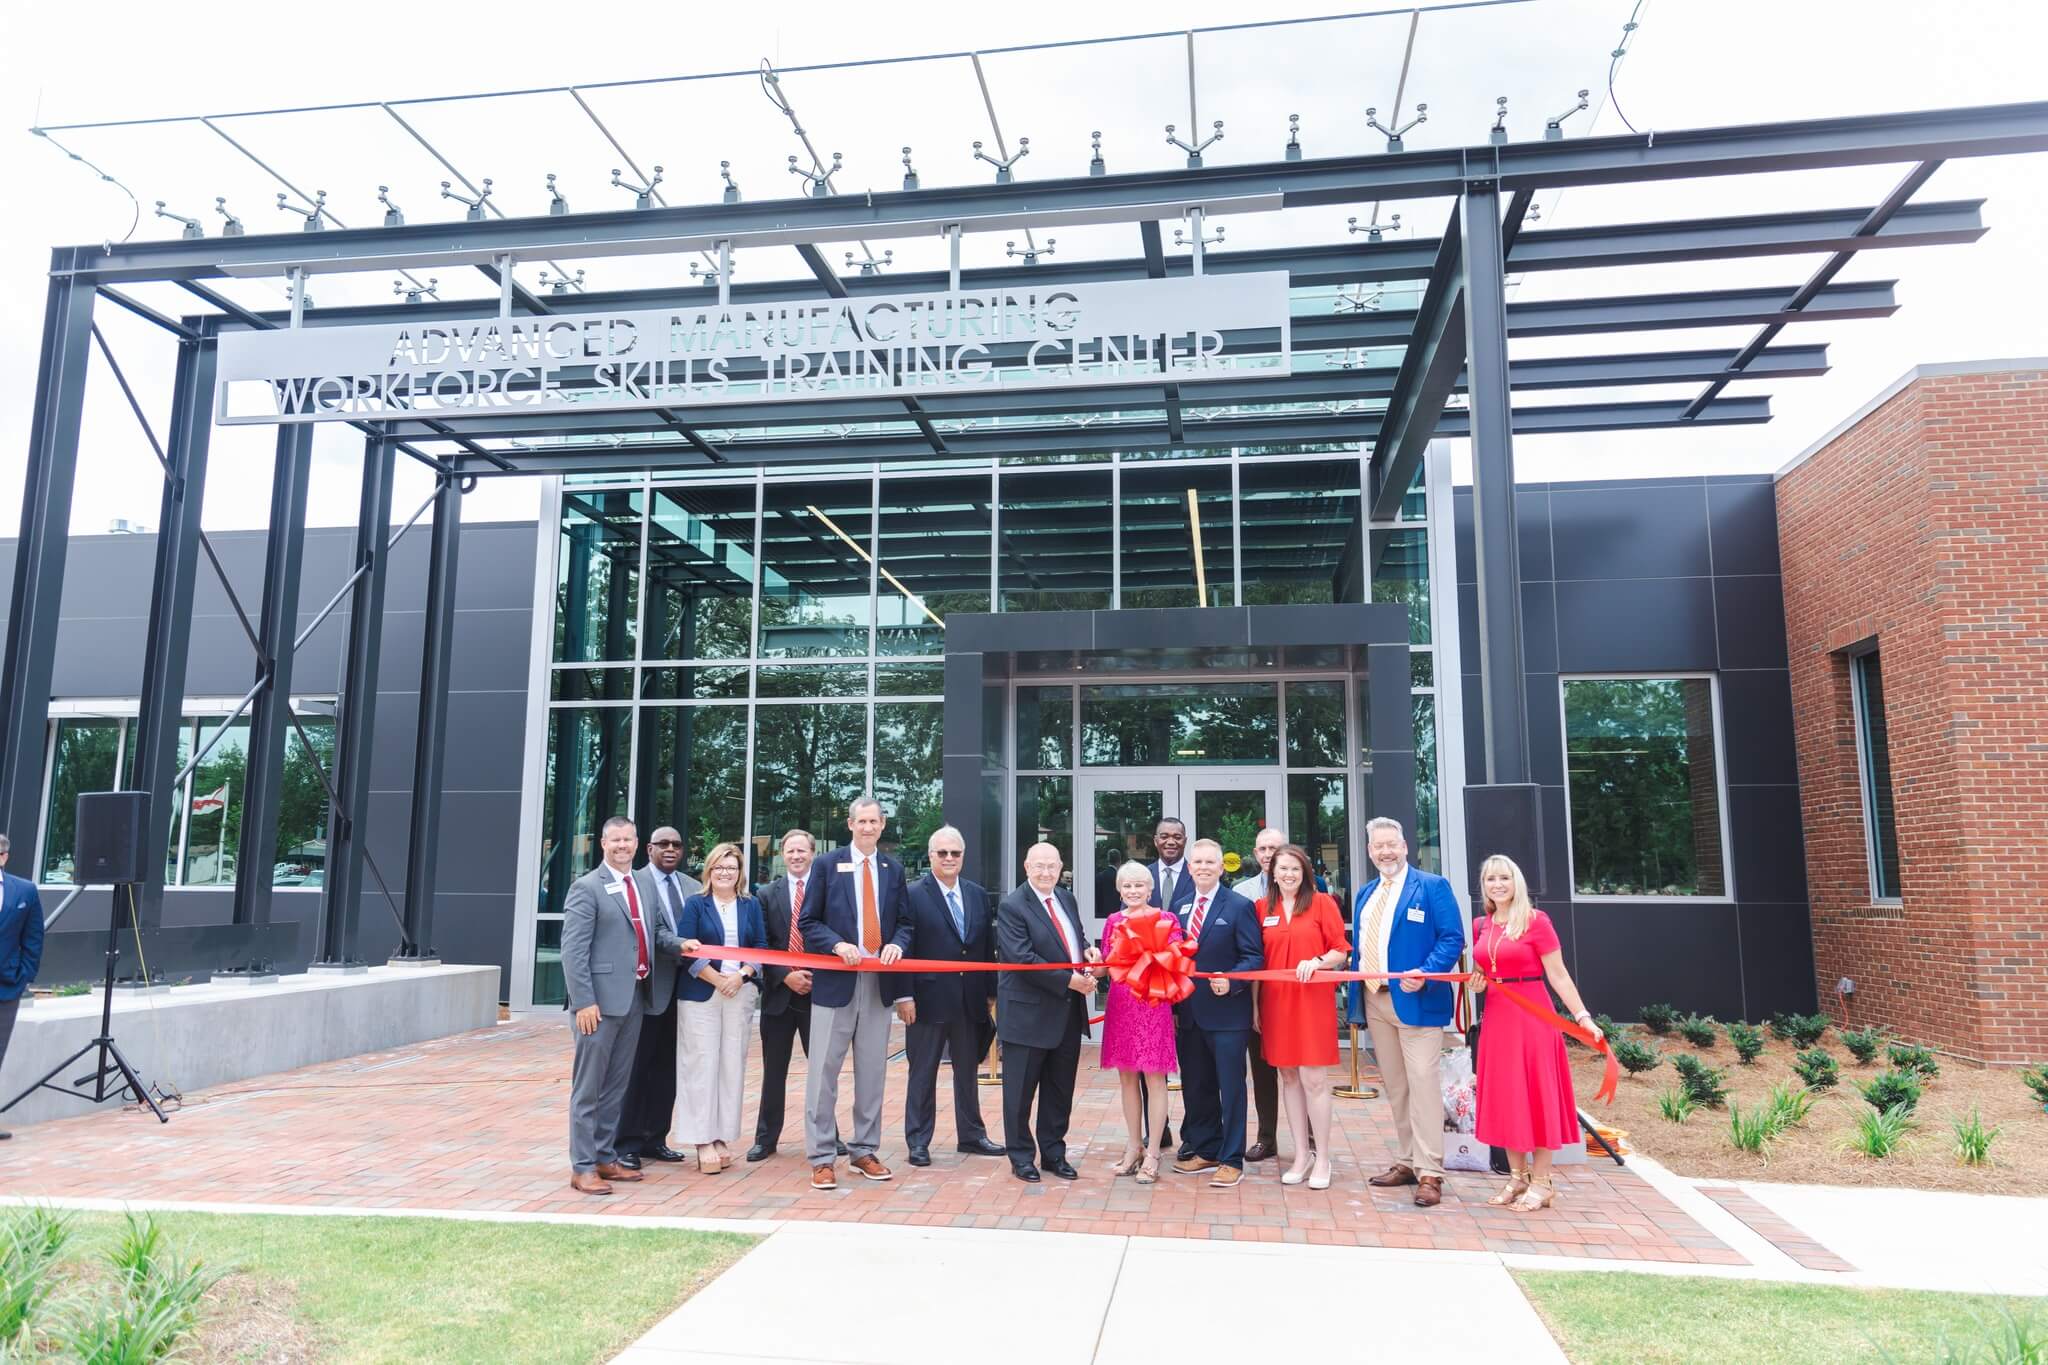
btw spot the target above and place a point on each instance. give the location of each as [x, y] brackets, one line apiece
[1677, 574]
[99, 654]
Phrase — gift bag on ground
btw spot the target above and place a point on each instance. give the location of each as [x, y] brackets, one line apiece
[1462, 1151]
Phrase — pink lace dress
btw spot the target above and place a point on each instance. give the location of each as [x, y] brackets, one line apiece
[1137, 1036]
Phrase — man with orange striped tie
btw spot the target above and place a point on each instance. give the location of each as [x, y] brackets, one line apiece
[855, 909]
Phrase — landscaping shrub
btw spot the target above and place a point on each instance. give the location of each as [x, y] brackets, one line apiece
[1973, 1139]
[1781, 1026]
[154, 1303]
[2037, 1081]
[1699, 1030]
[1659, 1019]
[1637, 1057]
[1863, 1043]
[1608, 1028]
[1751, 1132]
[1816, 1066]
[1808, 1029]
[1881, 1132]
[1675, 1105]
[2009, 1340]
[1748, 1040]
[1704, 1085]
[1913, 1057]
[1787, 1107]
[30, 1243]
[1892, 1090]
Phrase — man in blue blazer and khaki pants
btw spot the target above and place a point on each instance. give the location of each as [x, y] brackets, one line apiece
[1407, 921]
[21, 946]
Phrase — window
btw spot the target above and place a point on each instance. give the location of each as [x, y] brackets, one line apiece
[1874, 767]
[1643, 785]
[83, 760]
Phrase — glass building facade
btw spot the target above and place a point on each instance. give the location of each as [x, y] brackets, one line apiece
[740, 655]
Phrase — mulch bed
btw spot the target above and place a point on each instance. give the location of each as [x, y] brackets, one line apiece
[1814, 1153]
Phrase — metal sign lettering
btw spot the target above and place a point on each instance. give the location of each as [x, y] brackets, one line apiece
[907, 345]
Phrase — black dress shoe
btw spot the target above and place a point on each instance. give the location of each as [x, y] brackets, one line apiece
[841, 1148]
[1061, 1169]
[920, 1156]
[760, 1151]
[1261, 1151]
[664, 1153]
[1186, 1151]
[983, 1147]
[1025, 1173]
[630, 1160]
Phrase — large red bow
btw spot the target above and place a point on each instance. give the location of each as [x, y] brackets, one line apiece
[1146, 955]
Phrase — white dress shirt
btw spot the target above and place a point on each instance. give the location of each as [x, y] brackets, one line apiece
[1050, 900]
[1179, 872]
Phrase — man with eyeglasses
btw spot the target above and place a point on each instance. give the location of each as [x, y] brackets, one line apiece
[945, 1011]
[651, 1090]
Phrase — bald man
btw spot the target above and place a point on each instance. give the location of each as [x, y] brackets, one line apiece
[1041, 1017]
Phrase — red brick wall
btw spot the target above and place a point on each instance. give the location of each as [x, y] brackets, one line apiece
[1925, 526]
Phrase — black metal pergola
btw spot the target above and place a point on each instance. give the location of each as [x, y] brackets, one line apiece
[1453, 340]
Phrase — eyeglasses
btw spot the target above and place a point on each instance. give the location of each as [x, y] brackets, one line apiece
[949, 853]
[665, 843]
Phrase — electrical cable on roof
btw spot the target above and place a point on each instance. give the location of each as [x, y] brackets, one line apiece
[135, 217]
[1628, 34]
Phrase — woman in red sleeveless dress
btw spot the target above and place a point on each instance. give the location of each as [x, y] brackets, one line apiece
[1304, 933]
[1524, 1083]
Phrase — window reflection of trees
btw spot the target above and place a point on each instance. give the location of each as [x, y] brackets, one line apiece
[810, 761]
[1173, 724]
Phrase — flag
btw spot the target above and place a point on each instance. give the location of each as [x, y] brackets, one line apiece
[217, 799]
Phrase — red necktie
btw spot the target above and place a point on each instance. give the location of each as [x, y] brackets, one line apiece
[796, 910]
[639, 929]
[1201, 910]
[1058, 927]
[870, 921]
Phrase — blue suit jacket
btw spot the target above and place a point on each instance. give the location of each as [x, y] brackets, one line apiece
[1232, 941]
[700, 921]
[833, 918]
[1183, 890]
[21, 935]
[1428, 935]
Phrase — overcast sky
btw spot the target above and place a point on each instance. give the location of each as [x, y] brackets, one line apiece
[1691, 64]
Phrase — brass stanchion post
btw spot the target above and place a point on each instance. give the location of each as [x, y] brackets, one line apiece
[1355, 1091]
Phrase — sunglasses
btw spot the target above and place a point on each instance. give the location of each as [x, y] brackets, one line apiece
[949, 853]
[665, 843]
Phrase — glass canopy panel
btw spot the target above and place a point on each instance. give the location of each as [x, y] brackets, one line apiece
[934, 559]
[1299, 536]
[1054, 540]
[816, 569]
[1176, 536]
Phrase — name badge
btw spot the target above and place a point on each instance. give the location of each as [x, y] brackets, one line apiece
[1271, 921]
[1415, 913]
[616, 888]
[842, 867]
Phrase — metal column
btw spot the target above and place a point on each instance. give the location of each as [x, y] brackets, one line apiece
[159, 719]
[277, 622]
[429, 762]
[1504, 815]
[341, 901]
[39, 564]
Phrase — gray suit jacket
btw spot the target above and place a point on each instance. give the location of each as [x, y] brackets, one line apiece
[668, 961]
[600, 950]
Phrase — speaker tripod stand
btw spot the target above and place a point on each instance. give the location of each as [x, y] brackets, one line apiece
[108, 1063]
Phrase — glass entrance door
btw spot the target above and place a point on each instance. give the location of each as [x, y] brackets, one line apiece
[1118, 812]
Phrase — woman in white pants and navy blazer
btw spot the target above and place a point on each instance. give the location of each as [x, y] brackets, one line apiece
[716, 999]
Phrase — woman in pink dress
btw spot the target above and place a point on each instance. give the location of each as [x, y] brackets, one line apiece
[1524, 1082]
[1137, 1037]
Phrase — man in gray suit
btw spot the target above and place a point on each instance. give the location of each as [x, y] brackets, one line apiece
[609, 964]
[651, 1092]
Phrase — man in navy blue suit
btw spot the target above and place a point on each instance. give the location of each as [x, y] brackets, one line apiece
[950, 922]
[1407, 921]
[1172, 890]
[21, 946]
[1218, 1019]
[855, 911]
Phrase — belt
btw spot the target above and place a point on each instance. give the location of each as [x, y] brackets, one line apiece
[1505, 979]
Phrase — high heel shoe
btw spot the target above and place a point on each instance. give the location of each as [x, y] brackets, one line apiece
[1293, 1177]
[1538, 1196]
[1128, 1164]
[1517, 1185]
[1148, 1172]
[1320, 1182]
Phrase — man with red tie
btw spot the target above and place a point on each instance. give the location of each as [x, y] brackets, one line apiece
[853, 909]
[1041, 1017]
[607, 965]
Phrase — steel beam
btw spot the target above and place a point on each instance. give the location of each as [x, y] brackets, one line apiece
[1436, 173]
[341, 899]
[160, 714]
[39, 556]
[284, 553]
[1429, 370]
[1497, 563]
[430, 752]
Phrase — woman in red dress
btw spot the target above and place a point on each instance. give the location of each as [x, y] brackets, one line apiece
[1298, 1023]
[1524, 1082]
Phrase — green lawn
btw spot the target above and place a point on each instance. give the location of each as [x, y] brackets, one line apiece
[1622, 1319]
[428, 1289]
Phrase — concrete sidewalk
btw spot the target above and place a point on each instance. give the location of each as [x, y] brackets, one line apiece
[935, 1296]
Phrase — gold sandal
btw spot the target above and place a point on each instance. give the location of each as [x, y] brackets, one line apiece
[1538, 1196]
[1517, 1185]
[1148, 1173]
[1128, 1164]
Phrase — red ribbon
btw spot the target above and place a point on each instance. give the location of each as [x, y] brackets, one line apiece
[1610, 1076]
[1149, 957]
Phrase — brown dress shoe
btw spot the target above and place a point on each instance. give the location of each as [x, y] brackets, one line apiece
[1429, 1192]
[823, 1178]
[1194, 1165]
[587, 1182]
[1225, 1177]
[871, 1168]
[605, 1172]
[1396, 1174]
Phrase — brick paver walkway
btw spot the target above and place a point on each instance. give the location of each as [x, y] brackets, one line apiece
[477, 1122]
